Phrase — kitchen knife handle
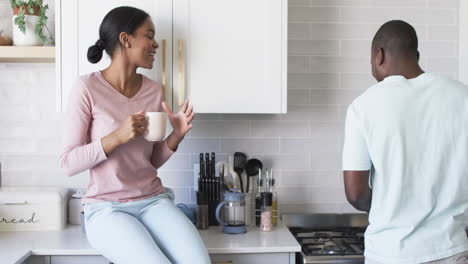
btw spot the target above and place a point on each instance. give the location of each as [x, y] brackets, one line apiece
[181, 88]
[163, 80]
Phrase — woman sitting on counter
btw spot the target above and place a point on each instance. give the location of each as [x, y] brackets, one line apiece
[129, 216]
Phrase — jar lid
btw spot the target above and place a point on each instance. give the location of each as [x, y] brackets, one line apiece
[234, 196]
[267, 198]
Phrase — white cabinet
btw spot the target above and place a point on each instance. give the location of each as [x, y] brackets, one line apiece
[226, 56]
[246, 258]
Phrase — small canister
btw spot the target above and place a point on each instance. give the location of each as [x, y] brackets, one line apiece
[266, 217]
[202, 210]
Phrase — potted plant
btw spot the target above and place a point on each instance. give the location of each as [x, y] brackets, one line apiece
[29, 18]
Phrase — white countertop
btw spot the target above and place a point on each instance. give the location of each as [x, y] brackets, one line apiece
[15, 247]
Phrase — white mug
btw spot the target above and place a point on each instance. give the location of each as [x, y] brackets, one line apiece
[156, 126]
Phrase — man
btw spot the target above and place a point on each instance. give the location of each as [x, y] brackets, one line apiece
[411, 131]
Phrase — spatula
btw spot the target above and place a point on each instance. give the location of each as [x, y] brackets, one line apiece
[239, 164]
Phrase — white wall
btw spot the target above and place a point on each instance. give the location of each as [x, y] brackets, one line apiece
[329, 45]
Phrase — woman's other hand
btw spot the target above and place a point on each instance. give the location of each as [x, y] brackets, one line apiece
[180, 122]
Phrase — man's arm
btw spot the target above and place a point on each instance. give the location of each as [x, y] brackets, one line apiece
[358, 192]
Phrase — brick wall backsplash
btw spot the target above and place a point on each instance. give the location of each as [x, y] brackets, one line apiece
[328, 66]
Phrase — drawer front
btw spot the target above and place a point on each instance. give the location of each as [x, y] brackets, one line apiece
[78, 260]
[270, 258]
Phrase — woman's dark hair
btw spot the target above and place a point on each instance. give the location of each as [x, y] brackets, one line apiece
[121, 19]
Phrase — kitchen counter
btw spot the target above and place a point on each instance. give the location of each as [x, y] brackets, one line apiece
[18, 246]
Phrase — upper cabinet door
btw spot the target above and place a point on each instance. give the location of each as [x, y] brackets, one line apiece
[80, 29]
[226, 56]
[230, 56]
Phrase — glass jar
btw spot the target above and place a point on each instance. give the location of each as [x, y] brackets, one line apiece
[266, 215]
[233, 212]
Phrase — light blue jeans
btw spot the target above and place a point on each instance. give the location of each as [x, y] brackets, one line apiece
[150, 231]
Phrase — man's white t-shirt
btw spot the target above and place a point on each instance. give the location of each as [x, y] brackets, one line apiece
[414, 132]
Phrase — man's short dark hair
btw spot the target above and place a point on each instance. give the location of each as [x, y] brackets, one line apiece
[398, 38]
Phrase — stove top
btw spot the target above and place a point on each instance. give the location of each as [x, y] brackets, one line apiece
[335, 241]
[329, 238]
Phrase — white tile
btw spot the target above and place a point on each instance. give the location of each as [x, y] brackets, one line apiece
[398, 3]
[334, 97]
[12, 75]
[311, 195]
[356, 48]
[298, 97]
[312, 113]
[18, 95]
[312, 14]
[347, 208]
[326, 143]
[339, 2]
[48, 146]
[325, 160]
[438, 32]
[17, 146]
[191, 145]
[298, 2]
[313, 80]
[430, 16]
[308, 178]
[181, 195]
[378, 15]
[251, 117]
[357, 81]
[284, 161]
[250, 145]
[32, 162]
[309, 208]
[279, 129]
[438, 48]
[321, 64]
[15, 129]
[178, 162]
[298, 30]
[329, 129]
[341, 31]
[15, 113]
[206, 128]
[313, 47]
[444, 4]
[442, 64]
[16, 177]
[298, 64]
[176, 178]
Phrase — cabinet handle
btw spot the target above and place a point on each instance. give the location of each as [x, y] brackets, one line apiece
[13, 202]
[181, 88]
[164, 69]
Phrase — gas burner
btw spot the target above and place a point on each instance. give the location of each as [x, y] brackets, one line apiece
[332, 250]
[321, 234]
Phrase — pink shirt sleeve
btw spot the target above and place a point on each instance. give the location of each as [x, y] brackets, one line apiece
[161, 153]
[78, 153]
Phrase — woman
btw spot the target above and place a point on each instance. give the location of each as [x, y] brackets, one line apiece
[129, 216]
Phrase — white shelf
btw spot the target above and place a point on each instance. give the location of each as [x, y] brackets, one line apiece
[18, 54]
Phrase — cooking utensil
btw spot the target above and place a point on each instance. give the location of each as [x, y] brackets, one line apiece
[239, 164]
[252, 168]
